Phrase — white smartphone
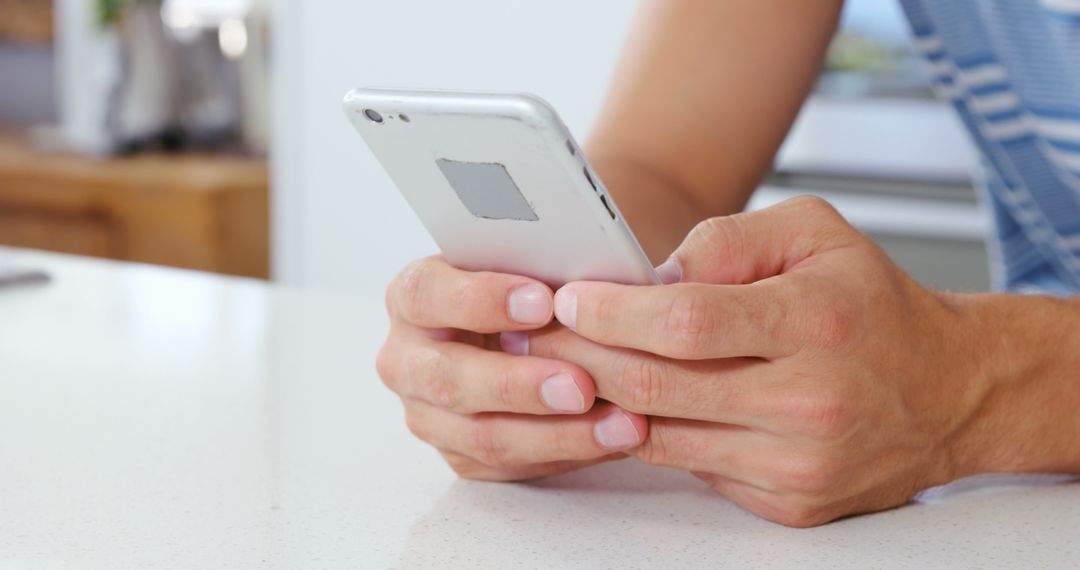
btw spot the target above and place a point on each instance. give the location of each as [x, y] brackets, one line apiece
[500, 184]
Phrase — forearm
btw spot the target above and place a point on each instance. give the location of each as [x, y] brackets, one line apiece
[703, 96]
[1027, 352]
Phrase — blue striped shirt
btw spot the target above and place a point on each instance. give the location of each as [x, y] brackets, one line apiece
[1011, 68]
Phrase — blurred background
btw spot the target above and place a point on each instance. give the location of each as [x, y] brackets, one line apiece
[137, 130]
[208, 134]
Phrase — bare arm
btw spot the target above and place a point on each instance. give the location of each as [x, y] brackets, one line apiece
[1027, 361]
[702, 99]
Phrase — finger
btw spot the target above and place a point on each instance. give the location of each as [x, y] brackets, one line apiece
[507, 440]
[469, 468]
[743, 391]
[430, 293]
[737, 491]
[684, 321]
[733, 452]
[468, 379]
[748, 247]
[744, 455]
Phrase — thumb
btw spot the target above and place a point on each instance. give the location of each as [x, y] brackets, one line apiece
[748, 247]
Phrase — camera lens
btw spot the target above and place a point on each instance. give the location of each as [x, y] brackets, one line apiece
[373, 115]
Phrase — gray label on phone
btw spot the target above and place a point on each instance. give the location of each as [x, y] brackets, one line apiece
[487, 190]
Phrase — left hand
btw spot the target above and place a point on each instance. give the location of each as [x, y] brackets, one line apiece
[794, 367]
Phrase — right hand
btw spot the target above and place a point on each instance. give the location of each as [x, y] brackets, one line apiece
[493, 414]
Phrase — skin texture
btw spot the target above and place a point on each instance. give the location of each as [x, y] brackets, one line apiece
[788, 363]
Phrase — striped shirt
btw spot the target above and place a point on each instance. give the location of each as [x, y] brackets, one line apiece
[1011, 68]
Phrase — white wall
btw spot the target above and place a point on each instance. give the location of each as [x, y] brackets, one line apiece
[338, 221]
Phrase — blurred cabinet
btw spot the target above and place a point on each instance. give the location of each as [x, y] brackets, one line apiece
[204, 212]
[26, 20]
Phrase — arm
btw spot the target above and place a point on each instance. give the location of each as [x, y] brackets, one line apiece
[1027, 359]
[702, 99]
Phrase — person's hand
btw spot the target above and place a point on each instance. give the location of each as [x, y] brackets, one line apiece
[794, 367]
[492, 415]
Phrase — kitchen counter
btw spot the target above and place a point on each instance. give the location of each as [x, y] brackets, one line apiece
[164, 418]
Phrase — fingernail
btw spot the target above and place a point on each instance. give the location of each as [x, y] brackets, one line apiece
[616, 431]
[562, 394]
[530, 304]
[670, 271]
[566, 307]
[515, 342]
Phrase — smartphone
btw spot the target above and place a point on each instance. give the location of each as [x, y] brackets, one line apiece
[500, 184]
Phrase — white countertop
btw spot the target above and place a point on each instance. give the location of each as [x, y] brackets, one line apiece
[161, 418]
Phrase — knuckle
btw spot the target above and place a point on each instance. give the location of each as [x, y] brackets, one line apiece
[655, 450]
[689, 325]
[703, 230]
[417, 425]
[460, 465]
[814, 205]
[825, 415]
[489, 447]
[505, 388]
[668, 448]
[814, 475]
[830, 224]
[641, 387]
[386, 365]
[440, 385]
[408, 290]
[434, 371]
[773, 311]
[466, 468]
[720, 234]
[802, 515]
[601, 309]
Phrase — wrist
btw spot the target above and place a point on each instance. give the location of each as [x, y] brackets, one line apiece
[1022, 392]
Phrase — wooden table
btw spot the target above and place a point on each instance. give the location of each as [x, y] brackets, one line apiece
[207, 212]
